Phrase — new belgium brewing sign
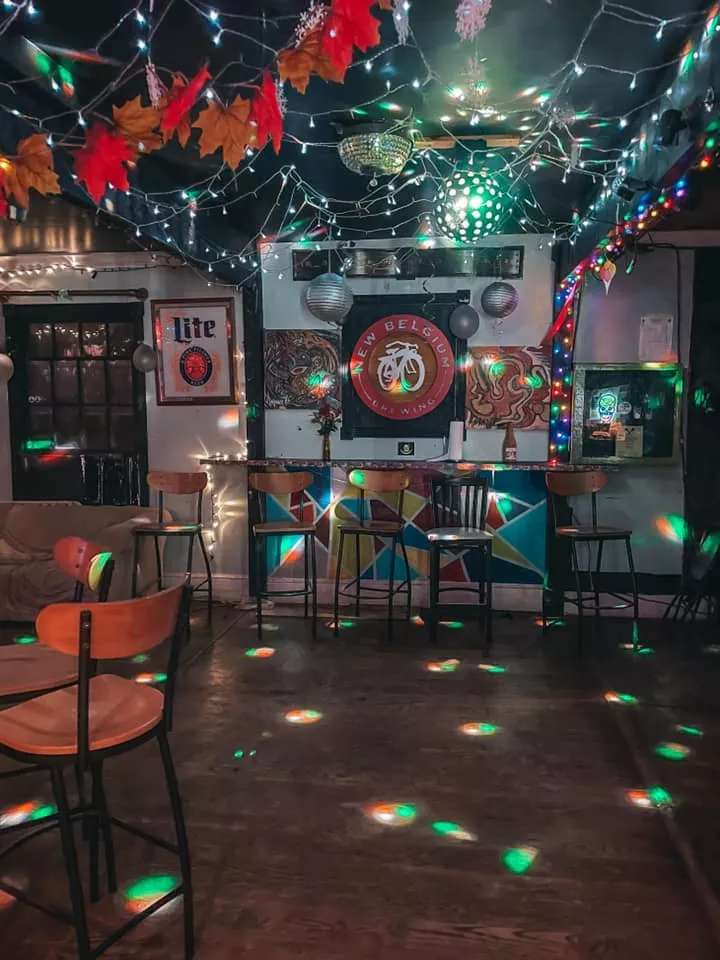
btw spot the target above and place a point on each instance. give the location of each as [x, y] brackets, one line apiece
[402, 367]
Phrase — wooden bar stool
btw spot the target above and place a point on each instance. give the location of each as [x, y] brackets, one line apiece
[80, 727]
[561, 486]
[460, 514]
[282, 484]
[180, 484]
[372, 482]
[29, 669]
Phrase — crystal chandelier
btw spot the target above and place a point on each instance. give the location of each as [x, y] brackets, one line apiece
[375, 150]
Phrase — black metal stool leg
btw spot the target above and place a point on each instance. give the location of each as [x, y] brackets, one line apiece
[77, 899]
[434, 588]
[596, 585]
[208, 572]
[313, 574]
[158, 563]
[336, 597]
[636, 599]
[100, 804]
[357, 571]
[391, 587]
[136, 561]
[407, 575]
[259, 560]
[487, 568]
[306, 561]
[182, 842]
[578, 590]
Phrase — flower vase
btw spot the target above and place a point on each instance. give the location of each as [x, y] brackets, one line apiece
[326, 453]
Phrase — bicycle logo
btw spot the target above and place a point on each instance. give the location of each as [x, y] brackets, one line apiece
[401, 369]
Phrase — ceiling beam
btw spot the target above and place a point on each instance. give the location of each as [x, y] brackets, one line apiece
[493, 141]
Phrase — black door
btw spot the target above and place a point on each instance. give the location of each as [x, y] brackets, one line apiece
[77, 405]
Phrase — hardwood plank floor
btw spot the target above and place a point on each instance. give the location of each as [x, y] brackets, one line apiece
[288, 865]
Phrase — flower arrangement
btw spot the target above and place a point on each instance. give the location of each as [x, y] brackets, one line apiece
[327, 418]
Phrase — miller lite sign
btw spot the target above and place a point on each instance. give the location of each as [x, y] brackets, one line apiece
[194, 340]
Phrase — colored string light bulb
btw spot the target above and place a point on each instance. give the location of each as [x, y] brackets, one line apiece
[301, 717]
[453, 831]
[393, 814]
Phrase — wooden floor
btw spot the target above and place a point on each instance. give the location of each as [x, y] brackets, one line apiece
[287, 864]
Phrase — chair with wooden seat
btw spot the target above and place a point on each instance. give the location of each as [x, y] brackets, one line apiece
[179, 484]
[582, 484]
[459, 516]
[284, 484]
[29, 669]
[368, 483]
[77, 729]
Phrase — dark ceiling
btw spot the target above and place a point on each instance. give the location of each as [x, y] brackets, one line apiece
[567, 49]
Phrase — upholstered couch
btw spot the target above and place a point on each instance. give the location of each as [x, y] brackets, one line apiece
[29, 580]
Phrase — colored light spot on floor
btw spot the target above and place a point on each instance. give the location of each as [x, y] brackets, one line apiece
[303, 716]
[690, 731]
[518, 860]
[549, 623]
[479, 729]
[342, 624]
[270, 627]
[25, 813]
[652, 798]
[672, 751]
[7, 899]
[660, 797]
[452, 624]
[150, 678]
[144, 893]
[417, 621]
[140, 658]
[25, 641]
[392, 814]
[640, 798]
[453, 831]
[491, 668]
[442, 666]
[260, 653]
[612, 696]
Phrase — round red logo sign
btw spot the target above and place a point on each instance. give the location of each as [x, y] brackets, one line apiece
[402, 367]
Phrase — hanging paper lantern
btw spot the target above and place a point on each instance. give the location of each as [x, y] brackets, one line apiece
[7, 368]
[499, 299]
[144, 358]
[464, 321]
[470, 205]
[329, 298]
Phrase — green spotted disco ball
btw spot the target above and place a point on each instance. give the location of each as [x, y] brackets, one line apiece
[470, 205]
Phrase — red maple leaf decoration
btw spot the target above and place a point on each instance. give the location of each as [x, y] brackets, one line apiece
[184, 101]
[102, 161]
[265, 113]
[349, 24]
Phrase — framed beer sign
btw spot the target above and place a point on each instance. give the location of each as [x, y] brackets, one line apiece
[195, 344]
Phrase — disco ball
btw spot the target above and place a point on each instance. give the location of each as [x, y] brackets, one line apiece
[470, 205]
[372, 150]
[329, 298]
[499, 299]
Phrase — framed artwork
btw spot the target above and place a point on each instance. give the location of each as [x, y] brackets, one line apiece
[627, 412]
[508, 386]
[302, 368]
[195, 344]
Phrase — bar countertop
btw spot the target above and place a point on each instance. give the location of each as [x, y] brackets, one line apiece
[405, 464]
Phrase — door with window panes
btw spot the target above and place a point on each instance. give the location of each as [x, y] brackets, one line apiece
[77, 405]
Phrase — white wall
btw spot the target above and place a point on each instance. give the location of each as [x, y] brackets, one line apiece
[177, 436]
[288, 433]
[609, 332]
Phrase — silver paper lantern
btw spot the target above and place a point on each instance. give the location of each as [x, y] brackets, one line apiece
[329, 298]
[144, 358]
[7, 368]
[499, 299]
[464, 321]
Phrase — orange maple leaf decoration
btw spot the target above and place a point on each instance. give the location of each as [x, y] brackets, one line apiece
[30, 169]
[137, 125]
[385, 4]
[227, 129]
[297, 64]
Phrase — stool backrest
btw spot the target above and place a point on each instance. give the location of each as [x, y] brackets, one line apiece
[380, 481]
[583, 483]
[281, 483]
[112, 631]
[460, 501]
[89, 564]
[174, 482]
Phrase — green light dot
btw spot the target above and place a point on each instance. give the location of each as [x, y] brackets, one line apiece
[151, 887]
[659, 797]
[239, 754]
[25, 641]
[140, 658]
[672, 751]
[518, 860]
[40, 813]
[690, 731]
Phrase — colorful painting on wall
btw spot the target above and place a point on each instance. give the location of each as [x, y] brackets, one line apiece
[508, 386]
[302, 367]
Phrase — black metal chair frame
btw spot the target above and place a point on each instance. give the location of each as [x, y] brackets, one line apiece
[309, 591]
[204, 586]
[356, 581]
[452, 509]
[593, 535]
[92, 810]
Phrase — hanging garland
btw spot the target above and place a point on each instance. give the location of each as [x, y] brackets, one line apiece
[323, 45]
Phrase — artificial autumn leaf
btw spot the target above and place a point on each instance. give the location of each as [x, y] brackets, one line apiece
[31, 168]
[385, 4]
[137, 124]
[296, 65]
[265, 113]
[227, 129]
[184, 128]
[349, 24]
[181, 99]
[102, 161]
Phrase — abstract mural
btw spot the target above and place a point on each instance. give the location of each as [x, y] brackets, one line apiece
[508, 386]
[301, 367]
[516, 517]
